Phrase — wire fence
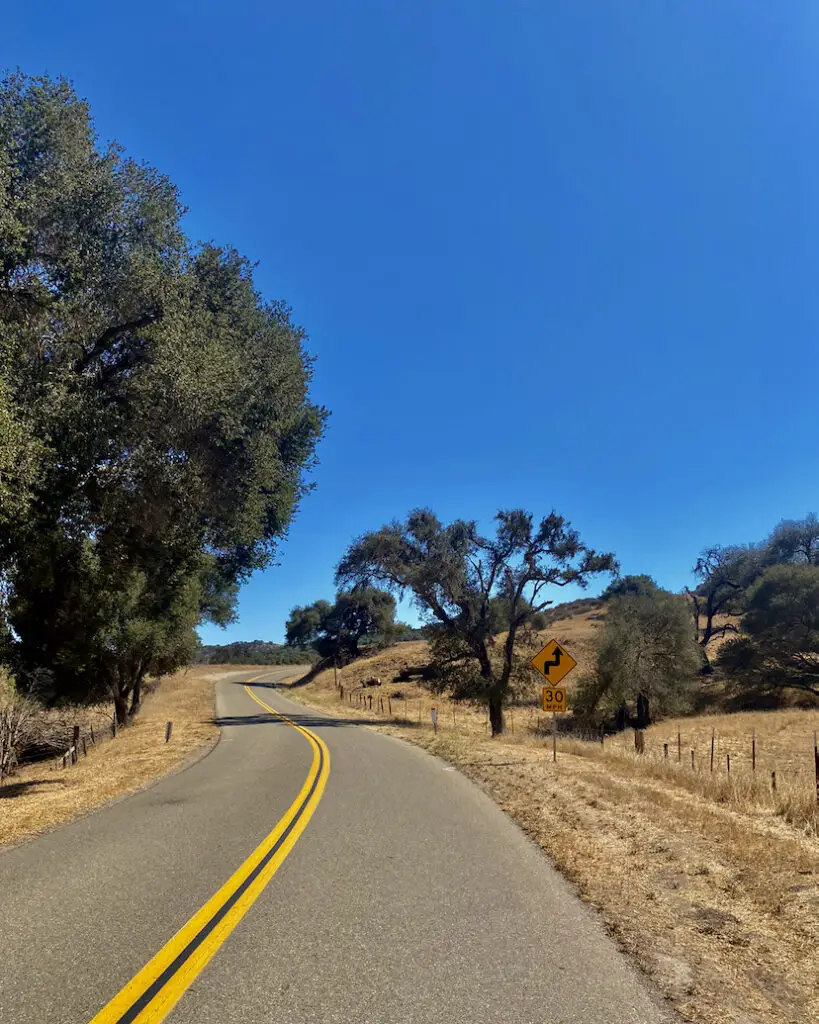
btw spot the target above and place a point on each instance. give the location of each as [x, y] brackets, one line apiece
[741, 768]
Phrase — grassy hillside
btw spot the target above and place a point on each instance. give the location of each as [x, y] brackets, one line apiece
[710, 879]
[576, 626]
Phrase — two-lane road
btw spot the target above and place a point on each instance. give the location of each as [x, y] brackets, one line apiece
[324, 873]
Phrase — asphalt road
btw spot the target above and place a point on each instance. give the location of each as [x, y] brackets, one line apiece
[408, 898]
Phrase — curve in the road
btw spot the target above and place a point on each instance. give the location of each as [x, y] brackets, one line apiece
[150, 996]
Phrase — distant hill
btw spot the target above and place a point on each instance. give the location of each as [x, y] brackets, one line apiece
[569, 609]
[251, 652]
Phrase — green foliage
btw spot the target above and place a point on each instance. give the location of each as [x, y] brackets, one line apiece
[471, 585]
[358, 613]
[154, 409]
[498, 615]
[305, 624]
[19, 453]
[636, 586]
[779, 645]
[401, 632]
[645, 647]
[724, 575]
[337, 630]
[252, 652]
[795, 541]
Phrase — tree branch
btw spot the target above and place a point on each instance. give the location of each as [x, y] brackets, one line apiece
[111, 334]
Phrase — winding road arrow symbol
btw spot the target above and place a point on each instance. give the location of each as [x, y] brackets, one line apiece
[555, 662]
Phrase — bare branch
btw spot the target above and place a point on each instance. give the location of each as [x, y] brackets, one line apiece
[111, 334]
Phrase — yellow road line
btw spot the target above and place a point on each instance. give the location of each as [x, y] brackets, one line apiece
[150, 996]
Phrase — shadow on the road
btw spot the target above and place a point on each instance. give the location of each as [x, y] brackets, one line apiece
[274, 684]
[308, 721]
[12, 789]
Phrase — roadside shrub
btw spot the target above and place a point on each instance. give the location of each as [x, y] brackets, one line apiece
[17, 719]
[645, 651]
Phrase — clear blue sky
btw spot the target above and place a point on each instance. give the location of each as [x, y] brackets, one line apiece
[547, 253]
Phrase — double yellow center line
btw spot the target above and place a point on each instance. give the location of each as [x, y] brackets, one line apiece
[151, 995]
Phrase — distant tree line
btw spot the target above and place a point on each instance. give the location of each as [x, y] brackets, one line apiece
[252, 652]
[155, 421]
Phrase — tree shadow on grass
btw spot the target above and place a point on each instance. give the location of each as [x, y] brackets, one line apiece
[10, 790]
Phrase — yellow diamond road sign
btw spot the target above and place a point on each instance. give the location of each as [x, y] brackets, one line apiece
[553, 662]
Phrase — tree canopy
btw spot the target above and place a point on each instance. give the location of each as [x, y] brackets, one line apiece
[645, 650]
[779, 645]
[723, 575]
[637, 586]
[795, 540]
[336, 630]
[156, 415]
[454, 572]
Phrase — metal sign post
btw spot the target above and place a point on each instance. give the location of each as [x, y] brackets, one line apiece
[554, 663]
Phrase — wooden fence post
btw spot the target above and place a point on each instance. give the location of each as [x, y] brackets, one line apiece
[91, 727]
[168, 731]
[341, 691]
[114, 726]
[753, 750]
[679, 746]
[712, 750]
[816, 765]
[692, 760]
[84, 748]
[665, 751]
[389, 705]
[75, 745]
[773, 781]
[728, 762]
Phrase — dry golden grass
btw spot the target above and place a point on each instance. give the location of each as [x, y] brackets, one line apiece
[710, 881]
[41, 796]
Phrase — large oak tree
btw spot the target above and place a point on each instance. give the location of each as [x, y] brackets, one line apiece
[158, 404]
[469, 584]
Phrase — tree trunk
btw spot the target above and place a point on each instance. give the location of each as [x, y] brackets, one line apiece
[496, 711]
[121, 709]
[136, 697]
[643, 714]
